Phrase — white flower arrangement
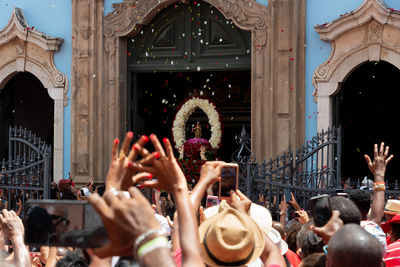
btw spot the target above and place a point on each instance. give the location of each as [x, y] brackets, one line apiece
[178, 127]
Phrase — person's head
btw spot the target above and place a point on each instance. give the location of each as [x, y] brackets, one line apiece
[280, 228]
[314, 260]
[392, 208]
[349, 212]
[352, 246]
[65, 185]
[293, 227]
[230, 238]
[308, 241]
[393, 227]
[362, 199]
[72, 259]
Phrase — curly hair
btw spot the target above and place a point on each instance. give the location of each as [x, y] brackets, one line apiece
[293, 227]
[362, 199]
[349, 213]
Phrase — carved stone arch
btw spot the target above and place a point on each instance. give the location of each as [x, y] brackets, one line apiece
[99, 74]
[370, 33]
[127, 20]
[25, 49]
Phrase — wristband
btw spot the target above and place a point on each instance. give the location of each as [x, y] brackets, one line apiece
[155, 243]
[378, 186]
[147, 234]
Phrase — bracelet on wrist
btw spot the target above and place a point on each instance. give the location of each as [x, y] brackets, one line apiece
[146, 236]
[151, 245]
[379, 186]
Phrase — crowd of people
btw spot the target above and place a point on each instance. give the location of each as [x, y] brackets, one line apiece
[175, 228]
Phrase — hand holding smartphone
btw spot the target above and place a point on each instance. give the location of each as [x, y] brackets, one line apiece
[321, 210]
[212, 201]
[229, 179]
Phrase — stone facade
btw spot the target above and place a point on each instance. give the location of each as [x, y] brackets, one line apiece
[99, 74]
[25, 49]
[370, 33]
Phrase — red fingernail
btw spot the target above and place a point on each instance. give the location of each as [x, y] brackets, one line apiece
[116, 141]
[156, 155]
[152, 136]
[165, 140]
[145, 139]
[130, 134]
[140, 186]
[129, 165]
[135, 147]
[150, 176]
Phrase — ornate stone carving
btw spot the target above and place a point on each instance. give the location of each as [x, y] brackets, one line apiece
[17, 34]
[356, 38]
[374, 31]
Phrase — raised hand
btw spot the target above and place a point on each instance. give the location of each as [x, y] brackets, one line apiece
[239, 201]
[164, 168]
[124, 219]
[329, 229]
[122, 165]
[381, 159]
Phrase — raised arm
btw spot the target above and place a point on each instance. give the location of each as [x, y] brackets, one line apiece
[171, 178]
[378, 169]
[13, 229]
[209, 175]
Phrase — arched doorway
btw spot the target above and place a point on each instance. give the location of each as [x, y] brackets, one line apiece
[189, 50]
[366, 108]
[25, 102]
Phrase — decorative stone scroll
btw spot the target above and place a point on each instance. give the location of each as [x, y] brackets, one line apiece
[25, 49]
[370, 33]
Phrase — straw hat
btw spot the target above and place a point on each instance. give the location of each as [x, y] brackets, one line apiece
[261, 216]
[230, 238]
[392, 207]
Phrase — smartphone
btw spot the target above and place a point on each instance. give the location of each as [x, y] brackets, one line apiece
[63, 223]
[320, 207]
[212, 201]
[288, 196]
[229, 179]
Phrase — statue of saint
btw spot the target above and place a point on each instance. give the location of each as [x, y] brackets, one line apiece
[197, 130]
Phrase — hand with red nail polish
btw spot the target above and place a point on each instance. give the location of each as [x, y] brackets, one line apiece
[123, 165]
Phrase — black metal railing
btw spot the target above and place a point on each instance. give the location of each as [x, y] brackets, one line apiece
[26, 174]
[315, 168]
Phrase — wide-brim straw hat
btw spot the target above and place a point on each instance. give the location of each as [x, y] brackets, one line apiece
[392, 207]
[230, 238]
[261, 216]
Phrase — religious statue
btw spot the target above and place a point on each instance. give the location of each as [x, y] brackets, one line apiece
[197, 130]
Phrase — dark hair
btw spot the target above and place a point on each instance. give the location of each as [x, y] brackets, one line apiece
[101, 189]
[72, 259]
[396, 230]
[314, 260]
[362, 199]
[293, 227]
[349, 213]
[310, 243]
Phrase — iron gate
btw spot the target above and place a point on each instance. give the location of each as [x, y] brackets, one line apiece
[26, 172]
[313, 169]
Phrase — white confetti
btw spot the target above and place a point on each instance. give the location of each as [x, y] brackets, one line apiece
[201, 92]
[205, 22]
[198, 68]
[94, 75]
[147, 54]
[183, 35]
[213, 93]
[207, 80]
[220, 39]
[201, 41]
[172, 62]
[248, 51]
[229, 85]
[229, 96]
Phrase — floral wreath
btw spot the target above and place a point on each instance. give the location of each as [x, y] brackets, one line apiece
[188, 107]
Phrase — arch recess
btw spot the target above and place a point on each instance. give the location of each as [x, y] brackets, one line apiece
[128, 18]
[370, 33]
[25, 49]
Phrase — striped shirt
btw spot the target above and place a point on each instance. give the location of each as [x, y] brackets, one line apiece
[392, 257]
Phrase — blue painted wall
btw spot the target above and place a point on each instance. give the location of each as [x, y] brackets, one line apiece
[317, 51]
[52, 17]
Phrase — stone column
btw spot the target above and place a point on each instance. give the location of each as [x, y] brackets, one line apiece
[324, 104]
[86, 83]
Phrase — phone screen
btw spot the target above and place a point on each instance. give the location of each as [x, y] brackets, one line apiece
[288, 196]
[64, 223]
[229, 176]
[212, 201]
[321, 210]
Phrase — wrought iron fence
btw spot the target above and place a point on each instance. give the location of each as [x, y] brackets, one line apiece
[26, 172]
[315, 168]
